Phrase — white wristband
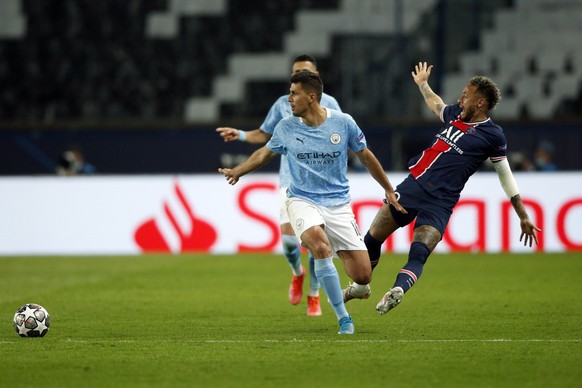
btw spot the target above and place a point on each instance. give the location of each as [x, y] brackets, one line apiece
[242, 135]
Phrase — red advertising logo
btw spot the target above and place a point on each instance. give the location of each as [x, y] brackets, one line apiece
[479, 244]
[200, 237]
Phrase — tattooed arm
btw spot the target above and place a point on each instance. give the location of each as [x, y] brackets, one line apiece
[433, 101]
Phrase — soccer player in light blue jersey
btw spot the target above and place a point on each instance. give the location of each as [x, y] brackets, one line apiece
[316, 141]
[279, 111]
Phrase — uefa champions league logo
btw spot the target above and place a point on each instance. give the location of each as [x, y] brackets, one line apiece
[335, 138]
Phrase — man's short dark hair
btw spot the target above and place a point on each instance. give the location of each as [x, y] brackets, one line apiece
[488, 88]
[306, 58]
[310, 82]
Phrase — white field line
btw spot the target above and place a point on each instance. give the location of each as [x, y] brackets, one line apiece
[218, 341]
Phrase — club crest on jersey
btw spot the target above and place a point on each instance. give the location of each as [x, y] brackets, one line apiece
[335, 138]
[299, 223]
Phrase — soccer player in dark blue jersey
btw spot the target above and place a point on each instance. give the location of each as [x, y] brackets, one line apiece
[438, 175]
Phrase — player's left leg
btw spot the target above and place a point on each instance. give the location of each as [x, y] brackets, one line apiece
[346, 240]
[293, 256]
[291, 251]
[357, 266]
[313, 305]
[424, 241]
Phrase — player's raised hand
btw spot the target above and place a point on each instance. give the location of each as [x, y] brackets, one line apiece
[228, 173]
[421, 72]
[228, 133]
[528, 230]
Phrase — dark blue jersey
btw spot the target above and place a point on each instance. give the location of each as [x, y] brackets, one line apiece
[455, 155]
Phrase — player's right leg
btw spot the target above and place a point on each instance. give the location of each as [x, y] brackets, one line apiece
[313, 236]
[383, 225]
[388, 219]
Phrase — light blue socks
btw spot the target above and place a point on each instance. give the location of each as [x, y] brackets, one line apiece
[329, 278]
[313, 282]
[292, 253]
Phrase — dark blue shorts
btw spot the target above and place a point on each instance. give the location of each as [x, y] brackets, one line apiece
[427, 209]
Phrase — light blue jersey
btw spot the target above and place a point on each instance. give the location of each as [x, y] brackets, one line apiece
[281, 109]
[318, 156]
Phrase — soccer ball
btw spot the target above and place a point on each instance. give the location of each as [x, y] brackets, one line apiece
[32, 320]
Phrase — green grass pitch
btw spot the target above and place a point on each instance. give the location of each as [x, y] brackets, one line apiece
[472, 320]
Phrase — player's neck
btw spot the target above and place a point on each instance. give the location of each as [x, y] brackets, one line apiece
[478, 118]
[315, 117]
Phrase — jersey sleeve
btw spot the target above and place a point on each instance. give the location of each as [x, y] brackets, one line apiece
[499, 148]
[275, 143]
[356, 138]
[276, 114]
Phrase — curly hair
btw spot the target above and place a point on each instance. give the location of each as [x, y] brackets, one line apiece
[488, 88]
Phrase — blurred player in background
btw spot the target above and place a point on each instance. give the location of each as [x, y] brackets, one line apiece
[316, 141]
[544, 156]
[438, 175]
[72, 162]
[279, 110]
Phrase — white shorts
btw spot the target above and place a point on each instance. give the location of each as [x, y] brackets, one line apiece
[339, 223]
[283, 216]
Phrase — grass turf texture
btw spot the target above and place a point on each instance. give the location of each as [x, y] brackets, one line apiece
[201, 320]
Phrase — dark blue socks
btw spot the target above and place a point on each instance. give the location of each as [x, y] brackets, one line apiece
[374, 249]
[417, 257]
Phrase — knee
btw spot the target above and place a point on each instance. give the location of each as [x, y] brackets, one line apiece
[363, 276]
[320, 249]
[427, 235]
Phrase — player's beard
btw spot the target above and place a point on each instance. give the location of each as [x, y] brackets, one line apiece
[467, 114]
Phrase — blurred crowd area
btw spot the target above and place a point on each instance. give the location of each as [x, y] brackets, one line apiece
[70, 69]
[91, 60]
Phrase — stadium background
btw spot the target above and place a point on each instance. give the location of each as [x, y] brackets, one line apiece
[139, 86]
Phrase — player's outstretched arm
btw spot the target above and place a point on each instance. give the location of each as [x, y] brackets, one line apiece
[257, 160]
[420, 75]
[369, 160]
[256, 136]
[528, 229]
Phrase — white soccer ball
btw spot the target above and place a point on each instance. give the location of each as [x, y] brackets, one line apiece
[32, 320]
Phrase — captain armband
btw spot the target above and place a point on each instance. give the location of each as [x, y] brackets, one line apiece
[506, 178]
